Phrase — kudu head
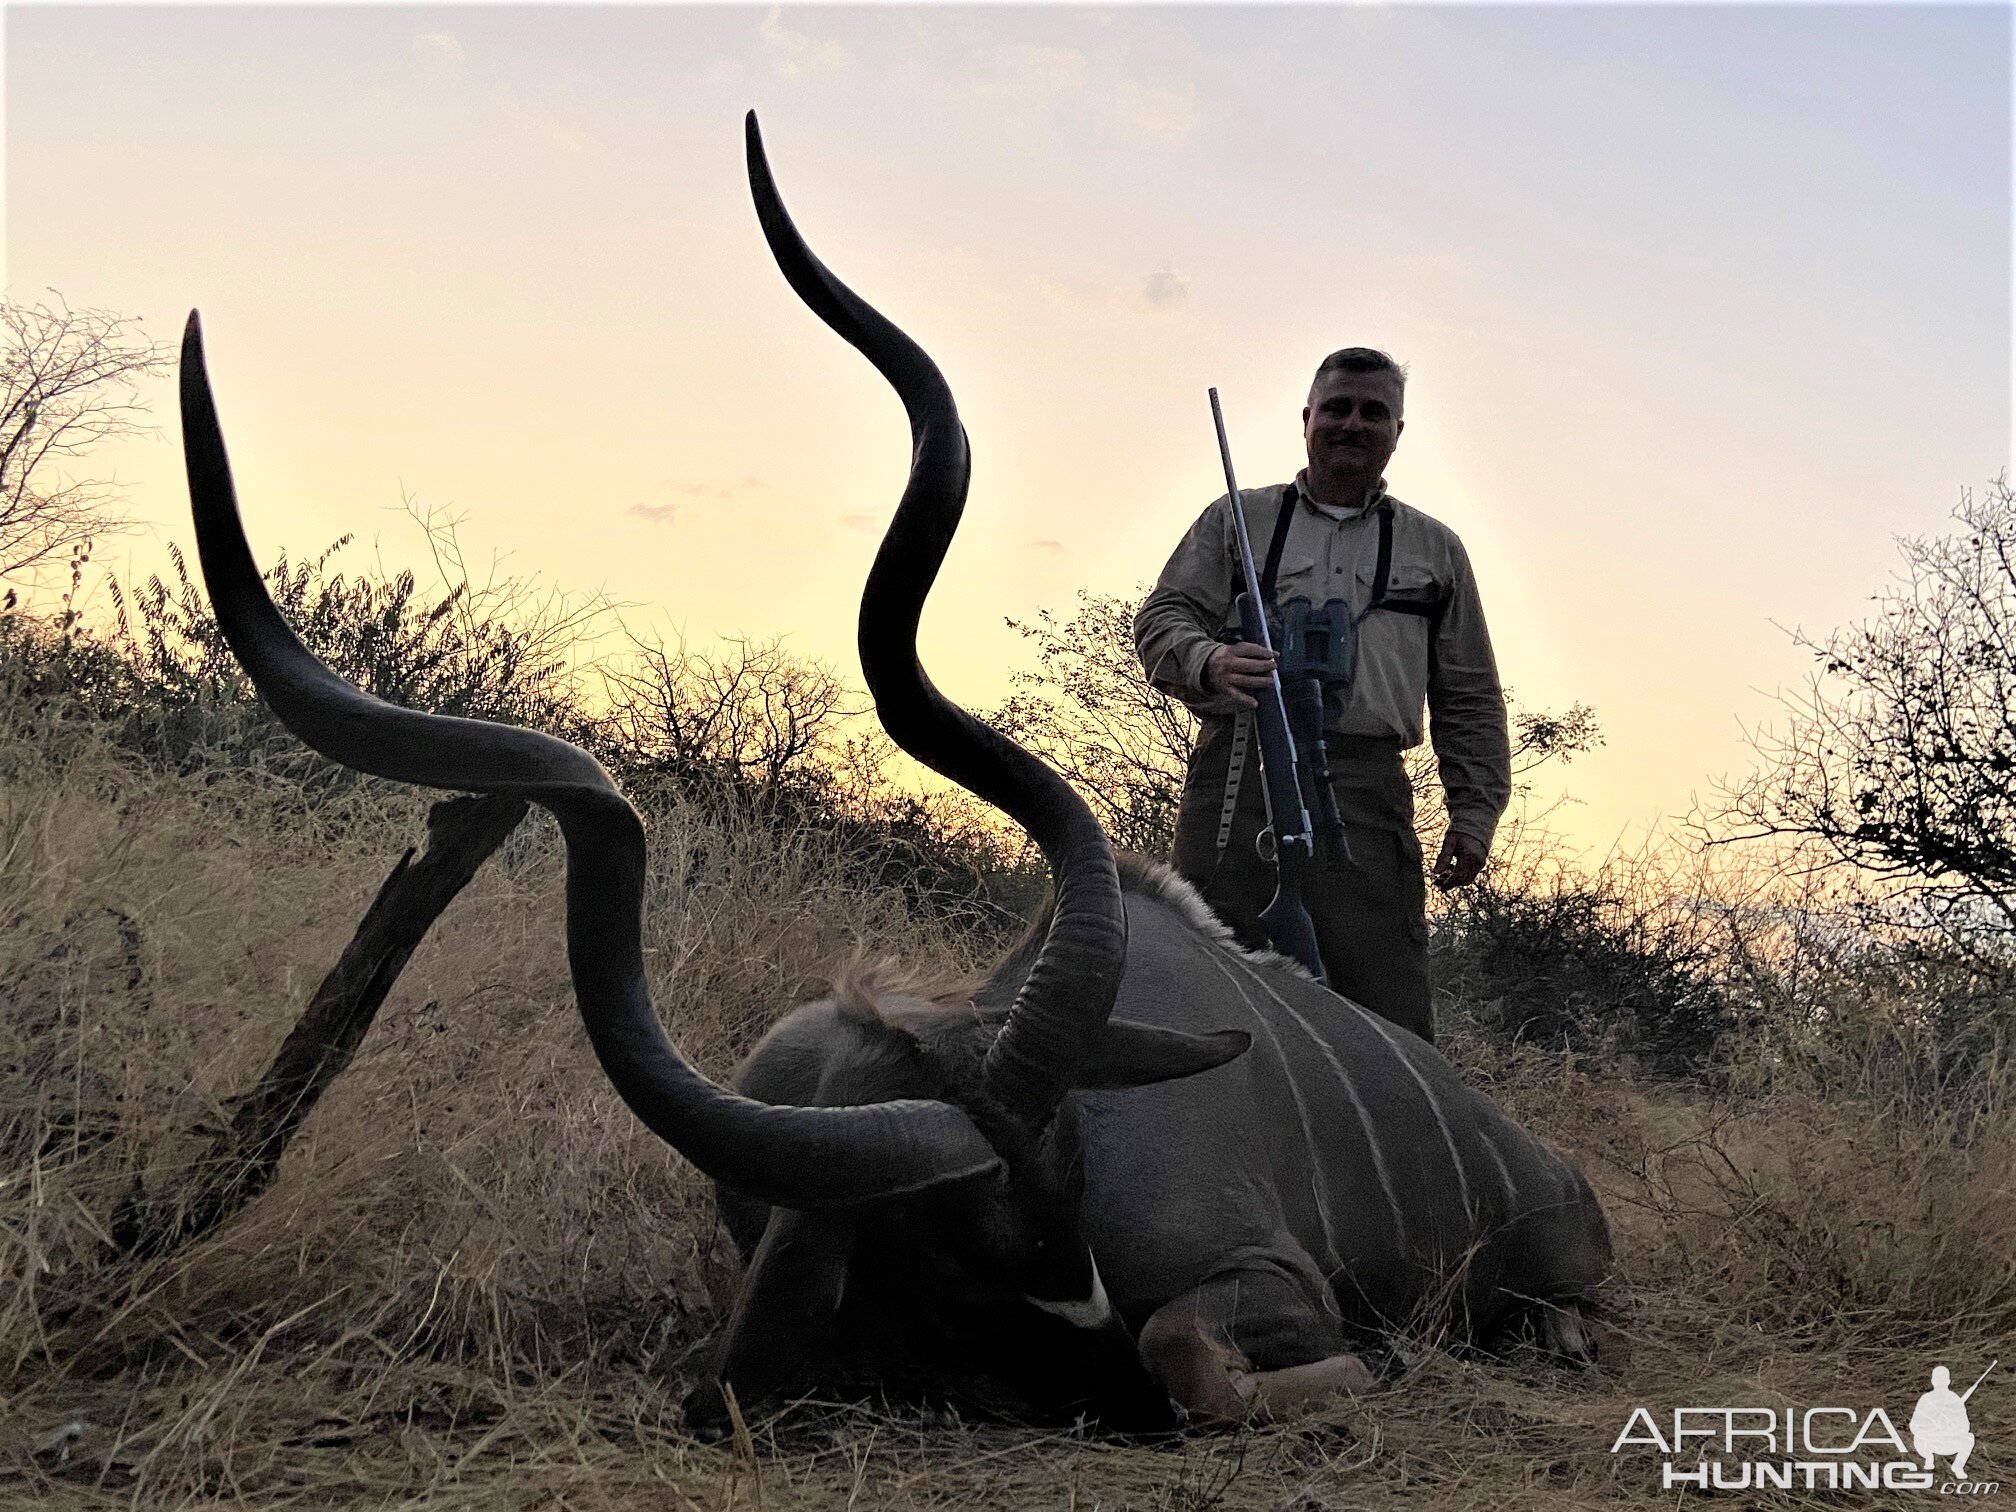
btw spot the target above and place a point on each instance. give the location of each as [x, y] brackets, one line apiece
[990, 1277]
[949, 1143]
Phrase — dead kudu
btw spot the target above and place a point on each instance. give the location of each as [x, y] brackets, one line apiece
[1141, 1174]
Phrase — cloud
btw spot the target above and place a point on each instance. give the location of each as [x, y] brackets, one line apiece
[1154, 112]
[1020, 75]
[542, 125]
[1138, 88]
[1048, 548]
[1167, 287]
[858, 521]
[665, 513]
[1163, 289]
[1077, 289]
[439, 53]
[438, 59]
[793, 54]
[441, 58]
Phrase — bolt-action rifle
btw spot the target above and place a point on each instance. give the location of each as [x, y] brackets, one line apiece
[1287, 916]
[1978, 1380]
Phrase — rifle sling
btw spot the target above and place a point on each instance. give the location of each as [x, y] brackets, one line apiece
[1235, 771]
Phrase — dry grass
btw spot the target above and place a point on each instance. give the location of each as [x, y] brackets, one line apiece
[478, 1283]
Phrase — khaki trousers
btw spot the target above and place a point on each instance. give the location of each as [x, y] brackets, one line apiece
[1369, 912]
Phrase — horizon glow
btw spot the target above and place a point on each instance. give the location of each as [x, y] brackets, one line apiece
[1702, 307]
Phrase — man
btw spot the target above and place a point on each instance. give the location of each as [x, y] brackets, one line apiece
[1939, 1422]
[1421, 638]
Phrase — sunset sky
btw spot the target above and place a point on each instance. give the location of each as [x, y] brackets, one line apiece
[1703, 306]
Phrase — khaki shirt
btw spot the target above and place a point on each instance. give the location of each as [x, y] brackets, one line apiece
[1404, 660]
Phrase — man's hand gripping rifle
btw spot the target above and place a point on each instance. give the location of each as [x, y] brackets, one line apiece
[1286, 917]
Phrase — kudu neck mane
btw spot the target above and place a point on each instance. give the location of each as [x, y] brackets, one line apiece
[1139, 877]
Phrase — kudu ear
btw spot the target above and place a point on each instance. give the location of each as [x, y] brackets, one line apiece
[1129, 1053]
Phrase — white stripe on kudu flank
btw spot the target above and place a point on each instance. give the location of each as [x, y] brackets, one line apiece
[1435, 1105]
[1504, 1171]
[1317, 1184]
[1350, 1090]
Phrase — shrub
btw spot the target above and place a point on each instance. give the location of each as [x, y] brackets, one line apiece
[1572, 961]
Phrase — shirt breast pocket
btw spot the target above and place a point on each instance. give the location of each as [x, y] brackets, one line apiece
[1409, 589]
[1300, 580]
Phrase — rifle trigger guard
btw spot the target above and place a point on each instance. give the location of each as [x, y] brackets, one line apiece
[1264, 846]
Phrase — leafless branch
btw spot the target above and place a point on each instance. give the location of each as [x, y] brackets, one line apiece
[69, 381]
[243, 1158]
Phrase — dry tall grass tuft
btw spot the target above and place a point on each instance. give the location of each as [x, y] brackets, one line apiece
[477, 1283]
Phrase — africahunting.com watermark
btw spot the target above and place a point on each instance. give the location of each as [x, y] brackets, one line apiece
[1816, 1448]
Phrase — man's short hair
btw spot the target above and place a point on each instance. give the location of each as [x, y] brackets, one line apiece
[1360, 360]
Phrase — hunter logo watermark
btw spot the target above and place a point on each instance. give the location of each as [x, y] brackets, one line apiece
[1816, 1448]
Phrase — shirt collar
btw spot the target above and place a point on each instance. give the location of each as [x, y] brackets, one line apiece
[1338, 511]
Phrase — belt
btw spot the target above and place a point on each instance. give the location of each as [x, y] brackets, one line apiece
[1362, 747]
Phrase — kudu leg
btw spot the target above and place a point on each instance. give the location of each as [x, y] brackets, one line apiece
[1277, 1394]
[1250, 1346]
[1577, 1333]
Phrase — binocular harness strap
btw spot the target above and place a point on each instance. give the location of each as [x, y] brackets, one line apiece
[1382, 570]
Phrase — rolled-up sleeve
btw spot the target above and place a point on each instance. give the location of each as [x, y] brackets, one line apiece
[1466, 711]
[1177, 626]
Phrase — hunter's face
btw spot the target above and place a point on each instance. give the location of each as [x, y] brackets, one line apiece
[1352, 423]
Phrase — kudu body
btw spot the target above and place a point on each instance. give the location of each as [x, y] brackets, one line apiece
[1192, 1204]
[1251, 1224]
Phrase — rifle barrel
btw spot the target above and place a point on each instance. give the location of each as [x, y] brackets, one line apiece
[1252, 578]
